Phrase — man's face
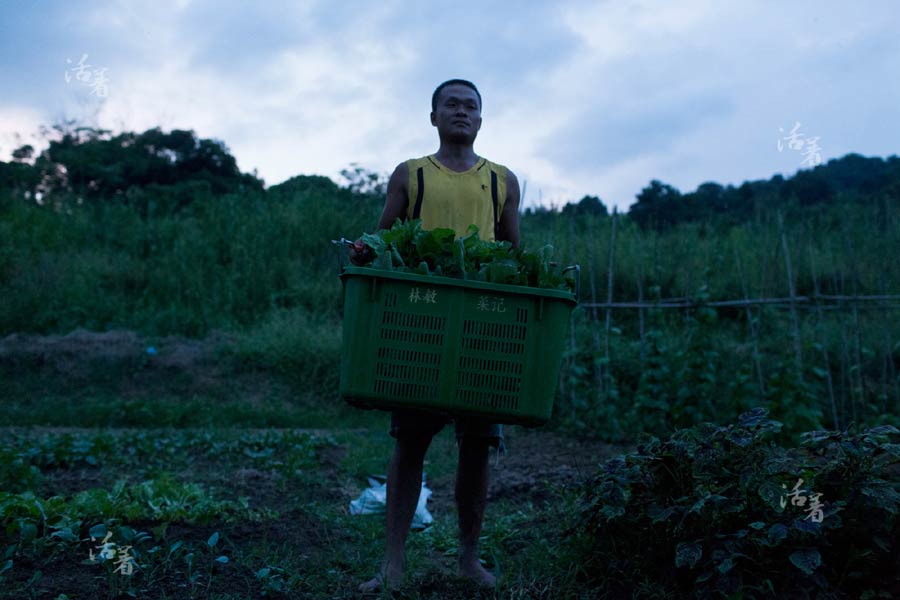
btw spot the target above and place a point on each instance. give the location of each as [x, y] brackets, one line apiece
[458, 113]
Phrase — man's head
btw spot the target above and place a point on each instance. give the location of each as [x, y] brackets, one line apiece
[437, 91]
[456, 110]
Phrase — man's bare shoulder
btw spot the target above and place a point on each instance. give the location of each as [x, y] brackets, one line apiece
[397, 198]
[401, 171]
[512, 186]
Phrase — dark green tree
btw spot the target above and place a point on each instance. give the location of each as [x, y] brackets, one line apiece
[151, 170]
[658, 206]
[589, 205]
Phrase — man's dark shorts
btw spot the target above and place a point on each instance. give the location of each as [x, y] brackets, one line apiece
[407, 422]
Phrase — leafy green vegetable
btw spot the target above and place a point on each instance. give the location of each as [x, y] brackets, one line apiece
[714, 501]
[439, 252]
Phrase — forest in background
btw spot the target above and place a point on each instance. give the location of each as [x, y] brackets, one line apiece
[160, 233]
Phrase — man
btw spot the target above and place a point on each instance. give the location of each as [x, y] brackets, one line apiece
[452, 188]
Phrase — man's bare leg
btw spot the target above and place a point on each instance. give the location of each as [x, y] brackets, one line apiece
[471, 499]
[404, 484]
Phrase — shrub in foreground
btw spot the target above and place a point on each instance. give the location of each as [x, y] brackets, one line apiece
[719, 512]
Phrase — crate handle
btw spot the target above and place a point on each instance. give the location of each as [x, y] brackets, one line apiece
[577, 269]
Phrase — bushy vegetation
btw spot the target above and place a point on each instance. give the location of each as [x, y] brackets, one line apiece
[719, 510]
[221, 263]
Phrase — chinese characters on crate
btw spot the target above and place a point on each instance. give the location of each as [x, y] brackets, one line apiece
[485, 303]
[428, 296]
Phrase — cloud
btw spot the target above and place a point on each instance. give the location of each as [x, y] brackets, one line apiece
[603, 136]
[580, 97]
[699, 94]
[19, 125]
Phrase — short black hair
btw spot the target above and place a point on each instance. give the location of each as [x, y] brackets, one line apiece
[464, 82]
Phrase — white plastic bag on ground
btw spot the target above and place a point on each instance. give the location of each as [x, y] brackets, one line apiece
[373, 500]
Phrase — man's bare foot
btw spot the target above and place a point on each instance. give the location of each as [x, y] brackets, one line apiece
[472, 569]
[377, 583]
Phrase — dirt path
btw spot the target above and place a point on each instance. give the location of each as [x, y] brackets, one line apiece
[536, 461]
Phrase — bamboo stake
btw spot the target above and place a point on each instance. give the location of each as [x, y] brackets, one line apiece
[595, 326]
[657, 268]
[568, 390]
[795, 325]
[591, 260]
[846, 370]
[764, 234]
[689, 277]
[857, 345]
[609, 288]
[754, 331]
[572, 261]
[812, 267]
[640, 287]
[889, 373]
[857, 336]
[842, 411]
[889, 226]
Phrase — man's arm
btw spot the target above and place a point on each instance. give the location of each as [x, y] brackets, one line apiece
[509, 218]
[396, 201]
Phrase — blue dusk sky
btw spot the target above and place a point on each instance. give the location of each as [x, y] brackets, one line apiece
[579, 97]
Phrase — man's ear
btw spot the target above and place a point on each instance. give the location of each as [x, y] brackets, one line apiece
[433, 119]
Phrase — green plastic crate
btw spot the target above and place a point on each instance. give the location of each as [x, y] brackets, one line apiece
[450, 346]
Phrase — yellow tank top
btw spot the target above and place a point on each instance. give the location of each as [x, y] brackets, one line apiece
[442, 197]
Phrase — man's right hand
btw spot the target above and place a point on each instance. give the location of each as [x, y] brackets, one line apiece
[360, 253]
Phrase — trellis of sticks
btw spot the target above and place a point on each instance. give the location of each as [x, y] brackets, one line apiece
[818, 301]
[847, 392]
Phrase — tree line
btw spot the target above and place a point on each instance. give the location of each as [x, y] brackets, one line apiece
[157, 171]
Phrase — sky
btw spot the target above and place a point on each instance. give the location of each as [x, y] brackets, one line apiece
[580, 98]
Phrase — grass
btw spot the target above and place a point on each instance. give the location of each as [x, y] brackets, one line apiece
[127, 395]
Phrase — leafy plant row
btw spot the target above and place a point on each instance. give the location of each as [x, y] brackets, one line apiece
[407, 247]
[22, 459]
